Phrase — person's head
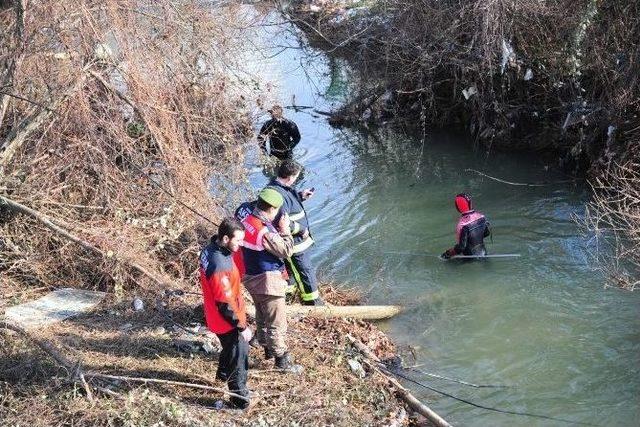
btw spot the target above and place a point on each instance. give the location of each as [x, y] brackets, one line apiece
[289, 171]
[464, 203]
[276, 112]
[269, 202]
[230, 234]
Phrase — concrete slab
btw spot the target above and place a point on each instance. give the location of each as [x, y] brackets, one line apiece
[53, 307]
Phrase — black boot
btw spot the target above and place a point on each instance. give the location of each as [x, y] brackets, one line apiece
[268, 353]
[317, 302]
[284, 361]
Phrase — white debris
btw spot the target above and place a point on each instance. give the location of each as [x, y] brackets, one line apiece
[53, 307]
[356, 367]
[102, 52]
[469, 92]
[611, 132]
[138, 304]
[314, 8]
[208, 347]
[528, 75]
[508, 54]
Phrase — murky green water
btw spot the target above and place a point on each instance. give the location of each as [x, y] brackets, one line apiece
[542, 324]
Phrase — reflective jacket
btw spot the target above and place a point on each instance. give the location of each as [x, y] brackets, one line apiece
[297, 214]
[224, 307]
[471, 230]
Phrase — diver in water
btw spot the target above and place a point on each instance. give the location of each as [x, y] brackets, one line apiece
[471, 230]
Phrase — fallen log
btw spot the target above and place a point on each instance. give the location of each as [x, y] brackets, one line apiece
[374, 362]
[368, 312]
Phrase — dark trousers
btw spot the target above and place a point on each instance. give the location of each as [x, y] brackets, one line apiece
[303, 276]
[233, 365]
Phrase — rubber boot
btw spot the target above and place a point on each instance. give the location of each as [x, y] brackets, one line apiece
[284, 361]
[317, 302]
[268, 353]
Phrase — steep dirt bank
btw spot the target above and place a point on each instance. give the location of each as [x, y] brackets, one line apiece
[558, 77]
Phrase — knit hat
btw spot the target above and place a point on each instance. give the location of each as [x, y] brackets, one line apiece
[272, 197]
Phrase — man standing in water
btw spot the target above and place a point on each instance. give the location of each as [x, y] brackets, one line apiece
[224, 308]
[471, 230]
[301, 272]
[283, 134]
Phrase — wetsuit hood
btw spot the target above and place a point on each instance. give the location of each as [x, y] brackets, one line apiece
[463, 203]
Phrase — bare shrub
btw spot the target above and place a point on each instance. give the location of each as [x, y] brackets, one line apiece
[522, 74]
[614, 216]
[103, 101]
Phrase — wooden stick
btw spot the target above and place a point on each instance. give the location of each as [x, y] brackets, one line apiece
[369, 312]
[401, 391]
[168, 382]
[47, 222]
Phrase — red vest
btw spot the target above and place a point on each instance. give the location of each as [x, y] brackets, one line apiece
[257, 260]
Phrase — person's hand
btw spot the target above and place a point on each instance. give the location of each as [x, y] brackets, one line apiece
[447, 254]
[307, 193]
[284, 223]
[305, 233]
[247, 334]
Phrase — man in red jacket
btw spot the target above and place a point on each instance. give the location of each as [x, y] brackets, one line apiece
[224, 308]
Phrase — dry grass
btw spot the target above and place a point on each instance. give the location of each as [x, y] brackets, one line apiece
[118, 341]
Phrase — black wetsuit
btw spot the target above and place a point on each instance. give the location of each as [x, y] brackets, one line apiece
[283, 136]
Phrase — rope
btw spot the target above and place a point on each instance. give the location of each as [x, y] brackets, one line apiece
[521, 184]
[487, 408]
[456, 380]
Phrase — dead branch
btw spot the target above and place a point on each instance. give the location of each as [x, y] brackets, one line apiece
[167, 382]
[47, 222]
[18, 45]
[73, 369]
[404, 394]
[19, 134]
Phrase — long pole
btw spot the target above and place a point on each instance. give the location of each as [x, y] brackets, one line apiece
[455, 256]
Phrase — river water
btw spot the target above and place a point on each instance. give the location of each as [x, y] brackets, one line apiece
[541, 324]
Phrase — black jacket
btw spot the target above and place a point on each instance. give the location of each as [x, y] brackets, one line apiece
[295, 209]
[283, 137]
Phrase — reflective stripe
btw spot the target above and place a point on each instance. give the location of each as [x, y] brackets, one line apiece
[296, 228]
[297, 216]
[302, 246]
[310, 297]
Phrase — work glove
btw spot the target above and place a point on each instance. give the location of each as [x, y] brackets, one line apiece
[247, 334]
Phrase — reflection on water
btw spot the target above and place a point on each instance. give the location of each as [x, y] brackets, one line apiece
[540, 323]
